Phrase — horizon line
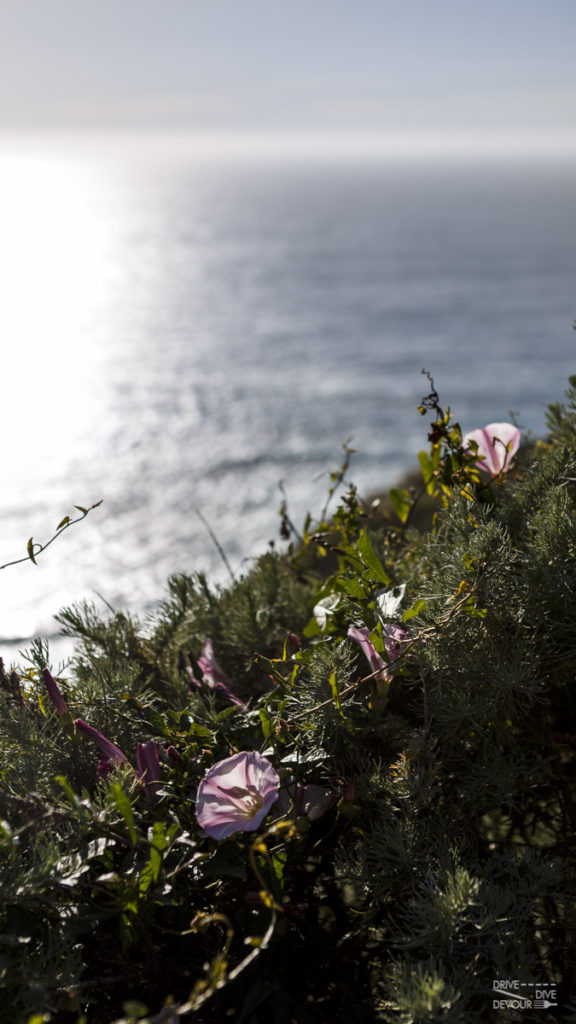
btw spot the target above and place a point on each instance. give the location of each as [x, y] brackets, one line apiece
[308, 143]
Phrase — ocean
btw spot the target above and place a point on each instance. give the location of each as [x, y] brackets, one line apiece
[189, 337]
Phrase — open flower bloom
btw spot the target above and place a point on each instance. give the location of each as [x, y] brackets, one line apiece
[236, 794]
[388, 601]
[378, 667]
[214, 675]
[325, 609]
[110, 750]
[148, 766]
[497, 444]
[62, 709]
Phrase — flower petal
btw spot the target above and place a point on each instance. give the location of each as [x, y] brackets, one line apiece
[109, 749]
[497, 445]
[361, 636]
[389, 601]
[236, 794]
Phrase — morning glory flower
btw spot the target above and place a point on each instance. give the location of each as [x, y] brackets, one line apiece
[324, 609]
[378, 667]
[62, 709]
[394, 638]
[148, 766]
[110, 750]
[389, 601]
[214, 675]
[236, 794]
[497, 444]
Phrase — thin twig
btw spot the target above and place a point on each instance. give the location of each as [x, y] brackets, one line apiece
[67, 523]
[216, 542]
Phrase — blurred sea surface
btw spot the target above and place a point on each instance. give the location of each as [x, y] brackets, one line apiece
[183, 332]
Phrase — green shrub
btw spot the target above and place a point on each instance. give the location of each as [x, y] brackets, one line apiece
[433, 857]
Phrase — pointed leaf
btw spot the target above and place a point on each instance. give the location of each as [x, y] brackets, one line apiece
[427, 471]
[402, 503]
[124, 807]
[371, 560]
[30, 550]
[420, 606]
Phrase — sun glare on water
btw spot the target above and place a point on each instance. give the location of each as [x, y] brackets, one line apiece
[55, 271]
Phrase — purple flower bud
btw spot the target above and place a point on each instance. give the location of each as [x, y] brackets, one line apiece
[497, 444]
[236, 794]
[148, 766]
[110, 750]
[192, 680]
[104, 767]
[214, 675]
[174, 754]
[62, 709]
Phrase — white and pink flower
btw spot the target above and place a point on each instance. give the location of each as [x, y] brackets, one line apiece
[236, 794]
[497, 443]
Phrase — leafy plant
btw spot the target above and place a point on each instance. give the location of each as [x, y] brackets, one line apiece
[340, 788]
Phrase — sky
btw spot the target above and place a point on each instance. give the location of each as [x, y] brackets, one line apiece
[277, 66]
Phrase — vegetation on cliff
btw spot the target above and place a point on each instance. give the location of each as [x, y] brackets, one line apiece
[340, 789]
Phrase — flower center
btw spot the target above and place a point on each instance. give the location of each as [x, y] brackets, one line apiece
[252, 804]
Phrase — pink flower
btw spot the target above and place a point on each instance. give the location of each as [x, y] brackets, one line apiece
[310, 801]
[394, 639]
[236, 794]
[497, 444]
[214, 675]
[148, 766]
[62, 709]
[378, 667]
[110, 750]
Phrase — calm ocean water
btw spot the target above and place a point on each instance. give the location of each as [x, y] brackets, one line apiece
[183, 334]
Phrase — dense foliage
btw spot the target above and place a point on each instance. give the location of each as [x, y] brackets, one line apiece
[403, 838]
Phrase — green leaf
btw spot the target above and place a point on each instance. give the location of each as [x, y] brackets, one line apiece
[427, 468]
[265, 722]
[279, 863]
[30, 550]
[335, 692]
[410, 613]
[134, 1010]
[63, 522]
[351, 586]
[370, 559]
[402, 503]
[74, 800]
[124, 807]
[81, 509]
[311, 629]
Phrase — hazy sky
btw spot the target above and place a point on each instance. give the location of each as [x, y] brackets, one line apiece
[285, 65]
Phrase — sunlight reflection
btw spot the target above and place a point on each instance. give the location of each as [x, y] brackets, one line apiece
[55, 273]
